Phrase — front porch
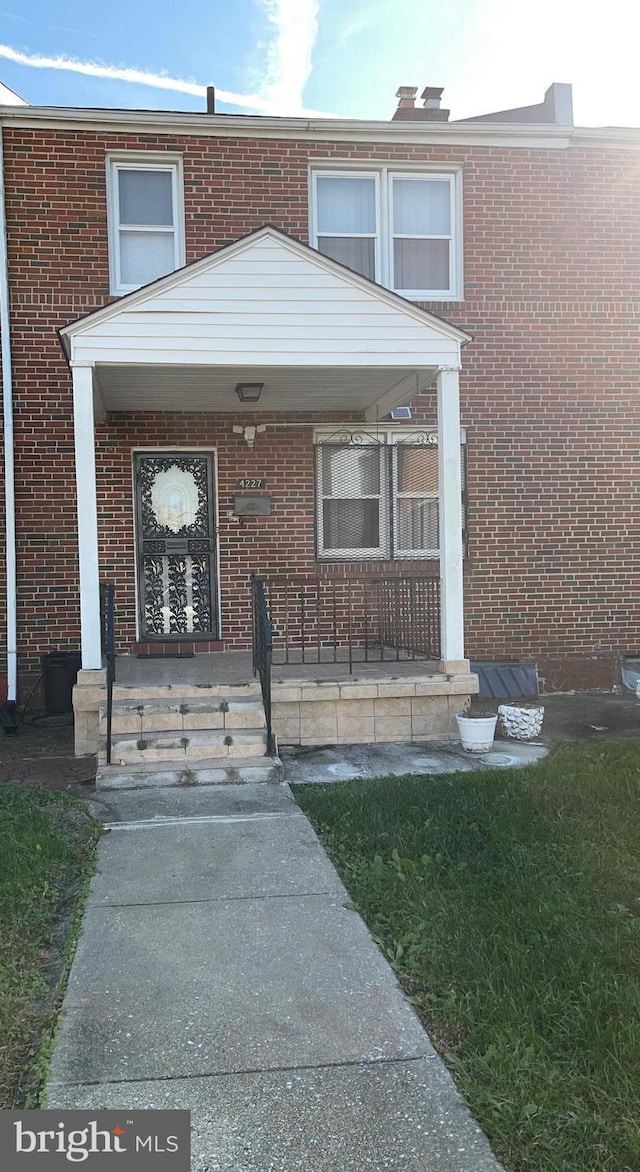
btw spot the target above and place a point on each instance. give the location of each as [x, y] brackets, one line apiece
[388, 700]
[322, 349]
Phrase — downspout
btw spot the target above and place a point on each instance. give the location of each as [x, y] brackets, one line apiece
[9, 473]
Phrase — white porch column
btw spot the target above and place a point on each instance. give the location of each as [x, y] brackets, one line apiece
[450, 516]
[83, 427]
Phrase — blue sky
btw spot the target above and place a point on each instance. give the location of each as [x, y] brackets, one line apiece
[342, 57]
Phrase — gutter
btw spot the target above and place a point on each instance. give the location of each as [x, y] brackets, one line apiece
[9, 472]
[460, 132]
[168, 122]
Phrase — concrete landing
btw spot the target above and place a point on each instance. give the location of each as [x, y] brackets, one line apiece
[236, 667]
[328, 763]
[222, 969]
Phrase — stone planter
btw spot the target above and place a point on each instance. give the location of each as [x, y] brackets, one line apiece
[476, 732]
[519, 722]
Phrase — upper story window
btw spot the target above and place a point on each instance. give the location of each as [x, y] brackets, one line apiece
[402, 230]
[146, 220]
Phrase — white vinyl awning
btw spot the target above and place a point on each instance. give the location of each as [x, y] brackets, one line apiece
[264, 309]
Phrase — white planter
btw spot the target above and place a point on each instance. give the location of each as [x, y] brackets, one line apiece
[476, 732]
[522, 724]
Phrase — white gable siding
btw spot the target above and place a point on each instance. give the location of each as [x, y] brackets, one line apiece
[266, 303]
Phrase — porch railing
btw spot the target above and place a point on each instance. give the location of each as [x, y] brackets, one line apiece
[107, 595]
[262, 645]
[352, 620]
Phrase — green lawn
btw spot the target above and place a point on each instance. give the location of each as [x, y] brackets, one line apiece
[46, 850]
[509, 903]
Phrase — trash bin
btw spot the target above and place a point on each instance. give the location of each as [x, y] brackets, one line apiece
[59, 674]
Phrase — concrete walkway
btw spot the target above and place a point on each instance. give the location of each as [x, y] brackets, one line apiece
[221, 969]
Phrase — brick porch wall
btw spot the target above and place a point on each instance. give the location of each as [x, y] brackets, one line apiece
[280, 544]
[549, 387]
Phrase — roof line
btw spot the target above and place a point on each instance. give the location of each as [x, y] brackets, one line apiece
[166, 121]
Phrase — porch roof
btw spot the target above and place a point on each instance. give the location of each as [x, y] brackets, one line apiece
[264, 309]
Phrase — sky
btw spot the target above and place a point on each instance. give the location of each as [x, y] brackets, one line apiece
[344, 58]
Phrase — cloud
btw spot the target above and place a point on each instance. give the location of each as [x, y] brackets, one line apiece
[359, 23]
[289, 51]
[287, 87]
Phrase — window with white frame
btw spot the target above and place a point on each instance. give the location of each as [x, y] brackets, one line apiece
[377, 496]
[400, 229]
[415, 500]
[146, 220]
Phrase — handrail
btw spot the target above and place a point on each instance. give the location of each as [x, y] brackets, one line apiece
[262, 651]
[355, 618]
[107, 593]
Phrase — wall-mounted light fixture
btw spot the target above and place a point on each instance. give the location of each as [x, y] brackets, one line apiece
[249, 392]
[249, 433]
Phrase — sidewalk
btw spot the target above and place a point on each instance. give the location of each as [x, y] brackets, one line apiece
[221, 969]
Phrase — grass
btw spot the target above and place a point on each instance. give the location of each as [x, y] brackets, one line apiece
[508, 902]
[46, 852]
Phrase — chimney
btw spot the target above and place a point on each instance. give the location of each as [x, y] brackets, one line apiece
[211, 99]
[430, 111]
[558, 104]
[406, 95]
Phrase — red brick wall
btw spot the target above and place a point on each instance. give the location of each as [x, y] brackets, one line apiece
[280, 544]
[549, 388]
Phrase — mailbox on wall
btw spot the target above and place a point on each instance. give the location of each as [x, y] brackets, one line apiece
[249, 505]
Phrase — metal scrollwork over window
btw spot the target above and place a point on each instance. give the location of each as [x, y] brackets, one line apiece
[347, 438]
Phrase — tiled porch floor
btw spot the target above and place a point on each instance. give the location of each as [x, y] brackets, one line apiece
[234, 667]
[319, 703]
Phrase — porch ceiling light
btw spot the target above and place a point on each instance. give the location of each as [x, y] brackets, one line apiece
[249, 392]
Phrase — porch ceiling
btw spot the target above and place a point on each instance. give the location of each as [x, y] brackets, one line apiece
[198, 388]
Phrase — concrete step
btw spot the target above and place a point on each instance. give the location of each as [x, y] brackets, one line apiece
[184, 747]
[139, 717]
[185, 691]
[209, 771]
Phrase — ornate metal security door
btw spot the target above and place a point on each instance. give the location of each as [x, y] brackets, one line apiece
[176, 545]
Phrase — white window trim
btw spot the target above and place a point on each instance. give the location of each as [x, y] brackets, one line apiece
[146, 161]
[385, 174]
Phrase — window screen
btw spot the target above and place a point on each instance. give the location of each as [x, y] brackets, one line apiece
[351, 497]
[415, 500]
[378, 500]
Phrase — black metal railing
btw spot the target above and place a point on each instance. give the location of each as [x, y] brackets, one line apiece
[262, 645]
[352, 620]
[107, 594]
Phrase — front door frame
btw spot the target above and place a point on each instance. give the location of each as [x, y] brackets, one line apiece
[181, 637]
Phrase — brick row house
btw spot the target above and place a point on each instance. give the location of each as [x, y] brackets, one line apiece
[390, 370]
